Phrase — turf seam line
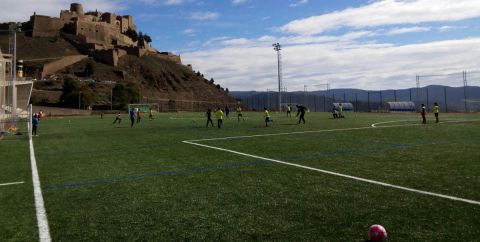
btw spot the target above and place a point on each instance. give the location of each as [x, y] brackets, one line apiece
[11, 183]
[42, 221]
[324, 130]
[341, 175]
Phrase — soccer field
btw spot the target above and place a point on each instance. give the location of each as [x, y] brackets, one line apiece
[173, 179]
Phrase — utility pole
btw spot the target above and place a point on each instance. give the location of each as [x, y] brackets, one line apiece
[305, 95]
[465, 84]
[111, 99]
[278, 48]
[79, 99]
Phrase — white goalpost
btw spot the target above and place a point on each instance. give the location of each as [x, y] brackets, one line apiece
[144, 107]
[14, 96]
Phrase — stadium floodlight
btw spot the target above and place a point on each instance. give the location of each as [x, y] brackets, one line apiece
[278, 48]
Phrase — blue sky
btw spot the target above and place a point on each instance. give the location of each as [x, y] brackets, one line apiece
[369, 44]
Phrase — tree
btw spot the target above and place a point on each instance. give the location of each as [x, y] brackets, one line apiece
[73, 94]
[132, 34]
[69, 86]
[147, 38]
[125, 94]
[89, 67]
[226, 90]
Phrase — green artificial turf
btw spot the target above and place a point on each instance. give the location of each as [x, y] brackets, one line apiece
[104, 182]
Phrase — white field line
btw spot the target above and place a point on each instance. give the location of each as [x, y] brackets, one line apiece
[341, 175]
[43, 229]
[411, 120]
[395, 121]
[173, 118]
[11, 183]
[327, 130]
[192, 142]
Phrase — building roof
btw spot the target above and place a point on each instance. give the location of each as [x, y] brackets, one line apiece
[401, 105]
[345, 106]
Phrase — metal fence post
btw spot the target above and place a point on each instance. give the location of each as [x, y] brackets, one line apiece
[445, 96]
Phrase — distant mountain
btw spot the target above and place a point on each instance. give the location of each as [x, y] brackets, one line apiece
[450, 99]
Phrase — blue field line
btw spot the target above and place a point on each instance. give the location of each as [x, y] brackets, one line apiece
[197, 169]
[305, 155]
[391, 146]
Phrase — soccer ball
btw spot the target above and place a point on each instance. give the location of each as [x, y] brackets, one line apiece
[377, 233]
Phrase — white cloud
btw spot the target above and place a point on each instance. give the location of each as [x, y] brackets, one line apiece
[288, 40]
[238, 2]
[387, 12]
[237, 42]
[396, 31]
[298, 3]
[448, 28]
[343, 64]
[166, 2]
[174, 2]
[189, 32]
[204, 16]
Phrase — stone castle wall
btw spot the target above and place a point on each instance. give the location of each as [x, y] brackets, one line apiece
[102, 35]
[44, 26]
[63, 62]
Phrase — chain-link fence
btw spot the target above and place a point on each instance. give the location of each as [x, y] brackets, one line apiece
[457, 92]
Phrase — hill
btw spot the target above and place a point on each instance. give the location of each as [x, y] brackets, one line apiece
[97, 59]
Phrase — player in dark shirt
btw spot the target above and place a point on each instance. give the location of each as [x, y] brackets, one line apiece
[301, 111]
[423, 112]
[209, 117]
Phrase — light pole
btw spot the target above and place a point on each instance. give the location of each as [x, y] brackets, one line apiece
[79, 99]
[278, 48]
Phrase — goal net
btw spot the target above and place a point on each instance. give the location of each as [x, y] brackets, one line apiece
[14, 97]
[145, 107]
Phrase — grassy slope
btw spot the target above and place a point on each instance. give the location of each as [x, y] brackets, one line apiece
[114, 183]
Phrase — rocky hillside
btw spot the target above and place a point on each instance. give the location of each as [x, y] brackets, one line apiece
[150, 78]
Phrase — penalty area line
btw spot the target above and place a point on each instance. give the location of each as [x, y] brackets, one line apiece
[11, 183]
[373, 126]
[341, 175]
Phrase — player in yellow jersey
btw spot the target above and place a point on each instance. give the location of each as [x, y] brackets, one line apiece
[289, 111]
[219, 117]
[435, 111]
[239, 114]
[340, 110]
[267, 117]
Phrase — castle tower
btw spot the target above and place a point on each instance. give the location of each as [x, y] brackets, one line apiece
[76, 7]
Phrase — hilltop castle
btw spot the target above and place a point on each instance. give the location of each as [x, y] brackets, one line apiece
[101, 35]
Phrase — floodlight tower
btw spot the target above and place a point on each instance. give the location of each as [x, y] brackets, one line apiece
[278, 48]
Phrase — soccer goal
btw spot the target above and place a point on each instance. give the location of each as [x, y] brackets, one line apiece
[14, 96]
[144, 107]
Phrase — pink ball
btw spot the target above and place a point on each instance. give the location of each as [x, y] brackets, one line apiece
[377, 233]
